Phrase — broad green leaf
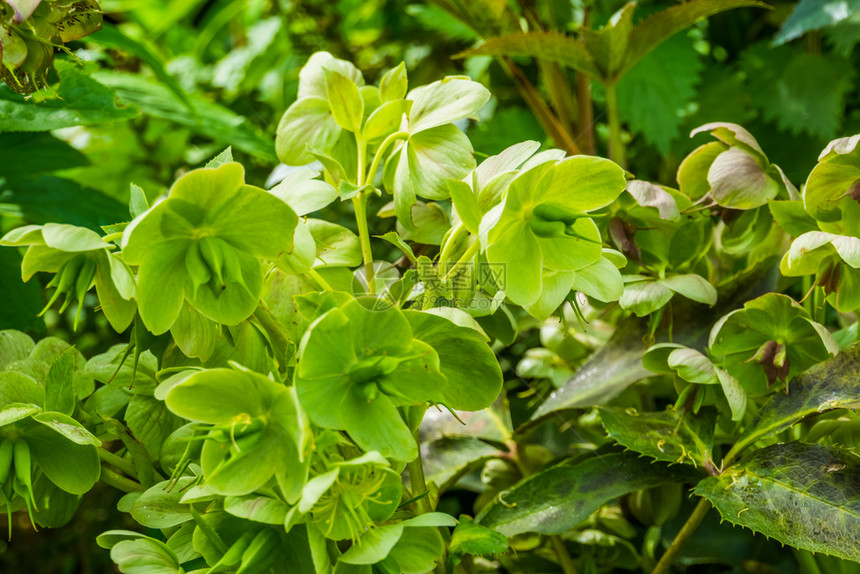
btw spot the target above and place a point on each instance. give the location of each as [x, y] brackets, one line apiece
[145, 556]
[582, 183]
[476, 540]
[474, 378]
[693, 287]
[445, 101]
[791, 216]
[80, 101]
[14, 346]
[150, 422]
[447, 459]
[825, 386]
[386, 119]
[393, 84]
[645, 297]
[659, 27]
[14, 412]
[68, 427]
[838, 168]
[160, 506]
[335, 245]
[608, 45]
[49, 199]
[72, 467]
[811, 15]
[257, 508]
[303, 192]
[561, 497]
[799, 494]
[347, 106]
[28, 154]
[27, 297]
[374, 546]
[668, 435]
[600, 280]
[549, 46]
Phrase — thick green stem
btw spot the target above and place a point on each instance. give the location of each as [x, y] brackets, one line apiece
[564, 559]
[466, 257]
[418, 482]
[315, 275]
[359, 204]
[686, 532]
[118, 462]
[380, 153]
[616, 146]
[120, 482]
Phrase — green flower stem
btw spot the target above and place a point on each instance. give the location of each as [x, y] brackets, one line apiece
[819, 305]
[616, 146]
[120, 482]
[467, 256]
[359, 204]
[418, 482]
[686, 532]
[380, 153]
[565, 561]
[314, 274]
[117, 461]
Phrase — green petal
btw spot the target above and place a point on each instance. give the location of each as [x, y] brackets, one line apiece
[377, 425]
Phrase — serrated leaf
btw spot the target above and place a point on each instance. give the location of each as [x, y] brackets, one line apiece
[608, 46]
[806, 496]
[548, 46]
[831, 384]
[477, 540]
[667, 436]
[653, 96]
[784, 85]
[81, 101]
[561, 497]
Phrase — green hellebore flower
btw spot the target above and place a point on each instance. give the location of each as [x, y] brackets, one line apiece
[357, 366]
[257, 430]
[203, 244]
[309, 126]
[733, 170]
[410, 546]
[543, 225]
[34, 434]
[694, 367]
[833, 259]
[80, 258]
[768, 333]
[349, 498]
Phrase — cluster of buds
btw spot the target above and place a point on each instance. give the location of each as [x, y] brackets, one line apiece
[15, 477]
[31, 29]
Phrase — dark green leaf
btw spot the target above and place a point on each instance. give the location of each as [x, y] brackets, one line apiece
[832, 384]
[59, 386]
[806, 496]
[25, 298]
[82, 101]
[664, 435]
[791, 216]
[561, 497]
[26, 155]
[548, 46]
[48, 199]
[653, 96]
[811, 15]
